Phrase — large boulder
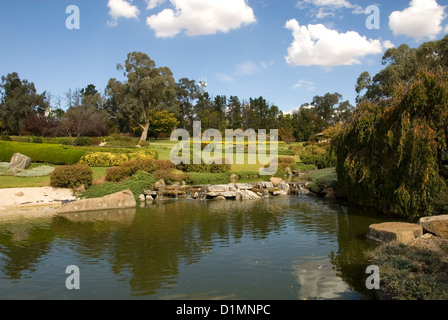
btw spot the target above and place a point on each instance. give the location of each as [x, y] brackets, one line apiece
[19, 162]
[394, 232]
[437, 225]
[119, 200]
[218, 188]
[276, 181]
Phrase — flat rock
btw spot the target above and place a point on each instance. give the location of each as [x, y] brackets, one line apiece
[437, 225]
[218, 188]
[394, 231]
[122, 199]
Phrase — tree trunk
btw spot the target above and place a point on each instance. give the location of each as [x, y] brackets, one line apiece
[144, 135]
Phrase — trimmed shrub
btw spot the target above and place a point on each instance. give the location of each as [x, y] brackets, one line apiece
[84, 141]
[71, 176]
[5, 137]
[107, 159]
[36, 140]
[322, 179]
[42, 152]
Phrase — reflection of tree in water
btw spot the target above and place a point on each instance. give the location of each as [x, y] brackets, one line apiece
[167, 234]
[22, 244]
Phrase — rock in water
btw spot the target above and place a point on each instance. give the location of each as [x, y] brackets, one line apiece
[19, 162]
[394, 231]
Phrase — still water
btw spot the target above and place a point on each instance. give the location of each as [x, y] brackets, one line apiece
[283, 248]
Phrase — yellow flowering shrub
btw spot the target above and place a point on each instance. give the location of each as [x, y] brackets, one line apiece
[107, 159]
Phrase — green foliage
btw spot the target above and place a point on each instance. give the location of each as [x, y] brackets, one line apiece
[410, 273]
[71, 176]
[205, 168]
[5, 137]
[137, 184]
[322, 179]
[45, 153]
[84, 141]
[129, 168]
[107, 159]
[36, 140]
[318, 155]
[390, 154]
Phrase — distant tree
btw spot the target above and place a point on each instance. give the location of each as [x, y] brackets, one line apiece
[234, 116]
[19, 100]
[162, 124]
[304, 121]
[286, 135]
[187, 93]
[73, 98]
[148, 89]
[91, 97]
[83, 121]
[325, 107]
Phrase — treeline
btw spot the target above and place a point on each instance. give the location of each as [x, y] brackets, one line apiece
[149, 103]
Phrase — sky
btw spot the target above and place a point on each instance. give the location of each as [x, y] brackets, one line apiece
[286, 51]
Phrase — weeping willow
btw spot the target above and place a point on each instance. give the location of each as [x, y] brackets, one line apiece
[391, 154]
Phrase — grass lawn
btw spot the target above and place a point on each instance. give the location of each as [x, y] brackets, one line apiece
[23, 182]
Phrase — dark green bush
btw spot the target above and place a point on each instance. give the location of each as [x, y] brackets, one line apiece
[36, 140]
[322, 179]
[84, 141]
[42, 152]
[71, 176]
[5, 137]
[205, 168]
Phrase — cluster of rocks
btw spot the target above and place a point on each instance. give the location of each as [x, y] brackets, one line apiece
[232, 191]
[406, 233]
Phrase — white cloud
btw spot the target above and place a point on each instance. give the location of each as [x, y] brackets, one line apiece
[423, 18]
[151, 4]
[250, 67]
[307, 85]
[318, 45]
[201, 17]
[121, 9]
[324, 8]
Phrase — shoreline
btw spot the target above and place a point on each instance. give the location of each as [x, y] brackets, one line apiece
[33, 201]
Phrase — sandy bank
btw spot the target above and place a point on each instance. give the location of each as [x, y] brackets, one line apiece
[40, 201]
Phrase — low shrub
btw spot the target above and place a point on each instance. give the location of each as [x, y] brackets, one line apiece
[39, 171]
[139, 182]
[170, 176]
[36, 140]
[205, 167]
[410, 273]
[84, 141]
[322, 179]
[107, 159]
[5, 137]
[71, 176]
[440, 204]
[129, 168]
[42, 152]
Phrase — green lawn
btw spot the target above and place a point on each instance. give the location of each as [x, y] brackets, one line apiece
[19, 182]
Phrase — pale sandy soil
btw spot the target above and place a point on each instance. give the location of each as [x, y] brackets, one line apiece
[32, 201]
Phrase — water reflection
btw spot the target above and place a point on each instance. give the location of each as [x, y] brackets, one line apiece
[296, 247]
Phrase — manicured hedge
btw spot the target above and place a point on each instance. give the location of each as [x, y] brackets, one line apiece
[40, 152]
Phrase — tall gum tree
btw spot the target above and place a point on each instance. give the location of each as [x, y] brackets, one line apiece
[148, 89]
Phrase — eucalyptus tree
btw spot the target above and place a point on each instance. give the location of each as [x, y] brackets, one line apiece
[147, 89]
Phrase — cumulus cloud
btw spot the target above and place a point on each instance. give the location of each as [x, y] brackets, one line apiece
[121, 9]
[318, 45]
[201, 17]
[422, 19]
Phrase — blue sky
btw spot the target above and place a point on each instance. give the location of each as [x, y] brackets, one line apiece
[287, 51]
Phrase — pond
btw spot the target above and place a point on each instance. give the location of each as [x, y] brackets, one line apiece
[283, 248]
